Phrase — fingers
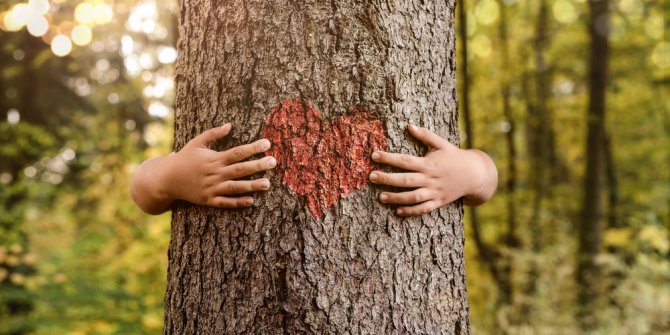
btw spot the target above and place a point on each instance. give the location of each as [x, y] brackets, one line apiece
[242, 186]
[236, 187]
[405, 198]
[426, 136]
[405, 162]
[419, 209]
[227, 202]
[209, 137]
[243, 169]
[398, 179]
[243, 152]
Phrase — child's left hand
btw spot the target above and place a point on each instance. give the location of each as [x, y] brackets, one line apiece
[445, 174]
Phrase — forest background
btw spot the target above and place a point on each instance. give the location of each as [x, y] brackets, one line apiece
[86, 94]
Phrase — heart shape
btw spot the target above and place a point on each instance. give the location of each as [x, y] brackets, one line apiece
[322, 162]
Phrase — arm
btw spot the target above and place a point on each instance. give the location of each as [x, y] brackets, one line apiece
[444, 175]
[484, 177]
[200, 175]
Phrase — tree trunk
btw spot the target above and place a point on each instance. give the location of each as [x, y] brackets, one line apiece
[490, 256]
[511, 240]
[590, 229]
[540, 145]
[328, 82]
[612, 185]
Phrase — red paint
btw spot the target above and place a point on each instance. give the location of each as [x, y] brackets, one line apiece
[320, 161]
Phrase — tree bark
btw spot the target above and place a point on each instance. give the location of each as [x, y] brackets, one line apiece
[313, 75]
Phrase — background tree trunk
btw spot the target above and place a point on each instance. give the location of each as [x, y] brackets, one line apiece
[540, 141]
[276, 268]
[590, 229]
[488, 255]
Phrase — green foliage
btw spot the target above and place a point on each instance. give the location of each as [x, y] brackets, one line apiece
[634, 257]
[106, 275]
[20, 146]
[75, 254]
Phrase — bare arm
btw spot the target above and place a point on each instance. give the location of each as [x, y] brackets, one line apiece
[484, 178]
[200, 175]
[444, 175]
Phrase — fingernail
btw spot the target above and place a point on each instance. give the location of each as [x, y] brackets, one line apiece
[383, 197]
[374, 176]
[376, 155]
[249, 202]
[412, 127]
[272, 162]
[265, 184]
[265, 144]
[227, 125]
[400, 211]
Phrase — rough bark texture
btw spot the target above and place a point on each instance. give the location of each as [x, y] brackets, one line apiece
[285, 266]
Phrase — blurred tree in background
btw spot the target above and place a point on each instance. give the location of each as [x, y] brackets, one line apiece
[528, 78]
[86, 90]
[85, 86]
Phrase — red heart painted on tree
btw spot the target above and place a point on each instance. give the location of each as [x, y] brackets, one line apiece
[322, 162]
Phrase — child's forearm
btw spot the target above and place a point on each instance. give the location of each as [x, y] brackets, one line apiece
[147, 186]
[484, 177]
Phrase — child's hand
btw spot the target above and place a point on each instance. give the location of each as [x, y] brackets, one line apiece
[445, 174]
[202, 176]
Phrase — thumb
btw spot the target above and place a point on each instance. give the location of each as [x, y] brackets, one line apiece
[209, 137]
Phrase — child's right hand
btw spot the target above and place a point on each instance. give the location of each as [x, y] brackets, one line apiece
[202, 176]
